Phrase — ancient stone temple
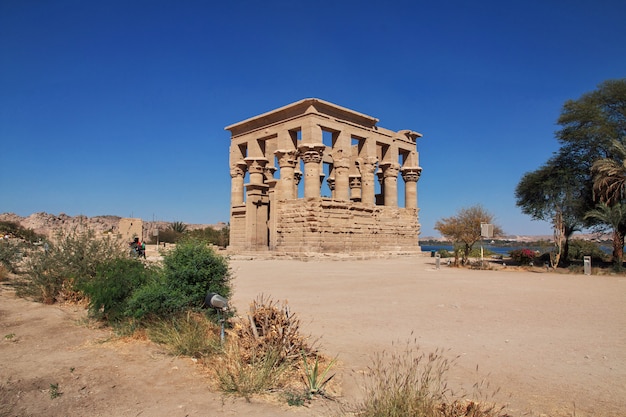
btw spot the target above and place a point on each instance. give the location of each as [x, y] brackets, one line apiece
[314, 177]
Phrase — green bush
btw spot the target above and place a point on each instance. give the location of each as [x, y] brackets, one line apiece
[113, 284]
[579, 248]
[190, 271]
[193, 269]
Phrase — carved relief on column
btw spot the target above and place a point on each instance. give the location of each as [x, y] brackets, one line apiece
[237, 173]
[287, 161]
[311, 155]
[367, 166]
[342, 180]
[390, 171]
[411, 176]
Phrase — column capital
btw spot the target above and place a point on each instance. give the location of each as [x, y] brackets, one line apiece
[287, 158]
[238, 169]
[367, 165]
[256, 165]
[390, 169]
[411, 174]
[311, 152]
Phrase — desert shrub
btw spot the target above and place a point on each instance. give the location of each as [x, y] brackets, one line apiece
[190, 271]
[245, 372]
[523, 256]
[10, 255]
[114, 282]
[271, 326]
[189, 334]
[579, 248]
[408, 382]
[52, 273]
[193, 269]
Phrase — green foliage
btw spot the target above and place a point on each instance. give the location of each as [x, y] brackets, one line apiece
[178, 227]
[10, 254]
[52, 272]
[217, 237]
[465, 227]
[249, 372]
[186, 334]
[193, 269]
[169, 236]
[113, 284]
[314, 379]
[54, 391]
[152, 299]
[189, 272]
[580, 248]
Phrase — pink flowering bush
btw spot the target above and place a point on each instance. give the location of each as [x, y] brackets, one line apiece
[523, 256]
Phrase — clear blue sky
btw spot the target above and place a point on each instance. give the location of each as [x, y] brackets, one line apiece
[119, 107]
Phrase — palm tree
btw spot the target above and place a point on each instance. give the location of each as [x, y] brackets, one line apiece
[609, 175]
[614, 216]
[178, 227]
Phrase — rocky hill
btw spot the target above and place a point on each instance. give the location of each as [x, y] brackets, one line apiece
[49, 224]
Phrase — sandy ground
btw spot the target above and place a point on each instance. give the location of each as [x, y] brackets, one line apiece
[554, 344]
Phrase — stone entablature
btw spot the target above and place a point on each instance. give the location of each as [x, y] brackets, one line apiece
[280, 160]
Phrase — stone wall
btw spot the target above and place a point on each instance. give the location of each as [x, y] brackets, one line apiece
[319, 225]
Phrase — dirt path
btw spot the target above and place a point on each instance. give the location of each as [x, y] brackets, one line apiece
[554, 344]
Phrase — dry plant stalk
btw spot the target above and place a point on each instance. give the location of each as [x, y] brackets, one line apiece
[270, 325]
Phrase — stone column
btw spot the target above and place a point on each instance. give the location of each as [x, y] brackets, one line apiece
[355, 188]
[367, 166]
[390, 183]
[380, 198]
[287, 160]
[237, 173]
[256, 169]
[257, 205]
[331, 185]
[410, 176]
[297, 177]
[342, 180]
[311, 155]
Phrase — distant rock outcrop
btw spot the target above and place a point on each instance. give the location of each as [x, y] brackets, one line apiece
[49, 224]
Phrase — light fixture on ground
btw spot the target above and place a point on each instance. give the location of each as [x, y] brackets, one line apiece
[220, 304]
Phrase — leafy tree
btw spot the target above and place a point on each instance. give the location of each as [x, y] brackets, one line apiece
[562, 190]
[465, 228]
[553, 193]
[218, 237]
